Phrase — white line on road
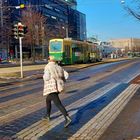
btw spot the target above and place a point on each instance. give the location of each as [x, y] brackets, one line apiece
[96, 126]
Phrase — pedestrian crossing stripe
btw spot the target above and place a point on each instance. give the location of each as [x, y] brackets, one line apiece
[97, 125]
[39, 128]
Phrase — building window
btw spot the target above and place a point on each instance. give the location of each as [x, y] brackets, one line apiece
[62, 20]
[57, 10]
[53, 17]
[48, 6]
[47, 15]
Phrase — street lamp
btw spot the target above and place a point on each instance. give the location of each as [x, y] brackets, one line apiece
[20, 6]
[66, 29]
[122, 1]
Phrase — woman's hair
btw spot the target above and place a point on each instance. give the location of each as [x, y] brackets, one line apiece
[51, 58]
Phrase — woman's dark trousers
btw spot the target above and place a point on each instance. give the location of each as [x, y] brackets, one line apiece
[55, 98]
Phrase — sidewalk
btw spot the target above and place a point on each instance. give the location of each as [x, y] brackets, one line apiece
[12, 74]
[127, 124]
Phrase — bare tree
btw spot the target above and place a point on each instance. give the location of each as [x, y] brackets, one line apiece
[55, 29]
[36, 24]
[40, 31]
[134, 9]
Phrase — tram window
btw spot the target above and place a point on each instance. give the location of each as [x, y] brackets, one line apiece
[78, 49]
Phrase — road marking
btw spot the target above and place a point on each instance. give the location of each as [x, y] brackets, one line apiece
[96, 126]
[131, 78]
[33, 107]
[38, 129]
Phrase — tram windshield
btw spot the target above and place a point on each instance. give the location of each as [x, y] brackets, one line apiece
[55, 46]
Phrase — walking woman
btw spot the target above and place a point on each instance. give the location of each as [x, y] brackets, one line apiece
[54, 78]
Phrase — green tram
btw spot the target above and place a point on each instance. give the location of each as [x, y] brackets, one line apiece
[67, 51]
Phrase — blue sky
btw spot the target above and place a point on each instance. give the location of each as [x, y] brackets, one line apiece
[108, 20]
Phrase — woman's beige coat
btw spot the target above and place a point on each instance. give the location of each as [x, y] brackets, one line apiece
[53, 75]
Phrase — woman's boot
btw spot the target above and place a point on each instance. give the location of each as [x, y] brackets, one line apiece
[46, 117]
[68, 121]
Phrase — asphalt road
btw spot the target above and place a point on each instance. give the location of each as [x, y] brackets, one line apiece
[87, 92]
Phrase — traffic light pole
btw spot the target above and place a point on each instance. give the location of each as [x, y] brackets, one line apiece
[19, 31]
[21, 64]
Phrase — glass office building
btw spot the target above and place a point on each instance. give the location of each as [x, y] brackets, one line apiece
[62, 16]
[4, 29]
[62, 12]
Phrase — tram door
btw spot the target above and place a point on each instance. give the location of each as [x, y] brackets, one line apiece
[76, 53]
[67, 56]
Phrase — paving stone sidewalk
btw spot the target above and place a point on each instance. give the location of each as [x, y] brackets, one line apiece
[127, 124]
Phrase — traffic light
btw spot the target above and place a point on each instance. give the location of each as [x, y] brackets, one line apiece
[20, 30]
[25, 29]
[15, 30]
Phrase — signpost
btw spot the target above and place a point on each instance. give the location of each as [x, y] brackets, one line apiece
[21, 64]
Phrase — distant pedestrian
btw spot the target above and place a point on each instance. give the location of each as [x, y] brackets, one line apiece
[54, 78]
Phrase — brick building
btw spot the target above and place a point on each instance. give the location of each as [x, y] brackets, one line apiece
[128, 44]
